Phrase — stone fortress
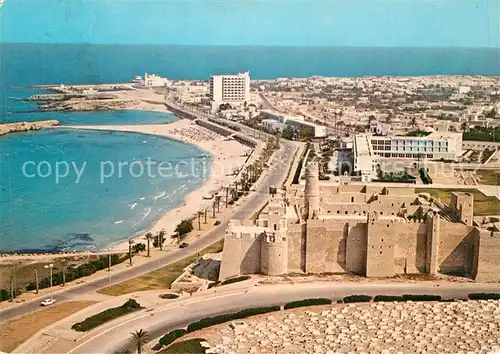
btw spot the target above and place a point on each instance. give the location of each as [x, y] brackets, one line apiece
[367, 230]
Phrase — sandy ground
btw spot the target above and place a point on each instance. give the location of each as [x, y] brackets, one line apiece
[138, 259]
[228, 156]
[17, 331]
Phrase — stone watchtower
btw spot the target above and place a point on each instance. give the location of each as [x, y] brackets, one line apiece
[312, 191]
[462, 205]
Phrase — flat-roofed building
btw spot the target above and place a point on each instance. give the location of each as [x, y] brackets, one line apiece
[298, 122]
[436, 146]
[364, 158]
[232, 89]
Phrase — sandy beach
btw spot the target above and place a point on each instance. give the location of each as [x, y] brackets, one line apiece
[227, 156]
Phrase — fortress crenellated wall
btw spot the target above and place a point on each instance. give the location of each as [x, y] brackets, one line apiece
[371, 231]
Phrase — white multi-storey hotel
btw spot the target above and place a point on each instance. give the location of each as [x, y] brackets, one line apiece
[232, 89]
[370, 149]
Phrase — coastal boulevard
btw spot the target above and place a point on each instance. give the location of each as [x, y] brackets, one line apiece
[115, 336]
[274, 175]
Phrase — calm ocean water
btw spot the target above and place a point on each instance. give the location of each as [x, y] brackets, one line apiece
[36, 213]
[42, 213]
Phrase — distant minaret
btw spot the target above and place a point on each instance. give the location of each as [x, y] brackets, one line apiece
[312, 191]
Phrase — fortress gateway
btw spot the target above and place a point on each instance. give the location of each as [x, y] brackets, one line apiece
[366, 230]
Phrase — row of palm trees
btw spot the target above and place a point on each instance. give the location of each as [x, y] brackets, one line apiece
[248, 178]
[160, 235]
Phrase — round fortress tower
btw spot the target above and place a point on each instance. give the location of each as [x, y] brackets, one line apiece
[274, 254]
[311, 192]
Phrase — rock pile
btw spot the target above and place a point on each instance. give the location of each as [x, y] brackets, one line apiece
[26, 126]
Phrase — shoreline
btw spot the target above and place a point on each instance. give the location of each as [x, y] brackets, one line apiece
[226, 154]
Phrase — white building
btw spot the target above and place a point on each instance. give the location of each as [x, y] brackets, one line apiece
[272, 125]
[318, 131]
[154, 80]
[436, 146]
[370, 150]
[365, 161]
[232, 89]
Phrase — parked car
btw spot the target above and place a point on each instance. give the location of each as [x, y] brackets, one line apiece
[183, 245]
[48, 302]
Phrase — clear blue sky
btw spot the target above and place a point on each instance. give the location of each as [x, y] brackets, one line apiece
[402, 23]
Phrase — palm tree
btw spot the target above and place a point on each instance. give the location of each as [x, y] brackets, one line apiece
[149, 236]
[205, 212]
[199, 220]
[227, 195]
[161, 235]
[130, 243]
[140, 337]
[217, 199]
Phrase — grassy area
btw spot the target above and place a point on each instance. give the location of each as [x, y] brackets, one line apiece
[483, 205]
[19, 330]
[191, 346]
[489, 177]
[158, 279]
[107, 315]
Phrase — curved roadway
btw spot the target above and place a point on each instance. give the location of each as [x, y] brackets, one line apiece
[115, 336]
[275, 175]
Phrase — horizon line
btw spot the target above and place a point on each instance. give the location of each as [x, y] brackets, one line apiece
[256, 45]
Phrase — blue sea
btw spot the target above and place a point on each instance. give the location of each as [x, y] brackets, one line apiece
[41, 214]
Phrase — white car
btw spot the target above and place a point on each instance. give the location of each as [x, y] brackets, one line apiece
[48, 302]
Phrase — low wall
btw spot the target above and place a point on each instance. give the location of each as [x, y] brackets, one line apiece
[479, 145]
[216, 128]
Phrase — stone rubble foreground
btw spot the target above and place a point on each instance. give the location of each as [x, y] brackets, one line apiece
[401, 327]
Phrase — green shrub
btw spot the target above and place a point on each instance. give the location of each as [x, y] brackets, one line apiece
[357, 298]
[211, 285]
[387, 298]
[235, 280]
[105, 316]
[211, 321]
[308, 302]
[484, 296]
[191, 346]
[4, 295]
[184, 227]
[138, 247]
[423, 297]
[172, 336]
[168, 296]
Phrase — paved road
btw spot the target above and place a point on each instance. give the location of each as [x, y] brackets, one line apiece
[275, 175]
[157, 322]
